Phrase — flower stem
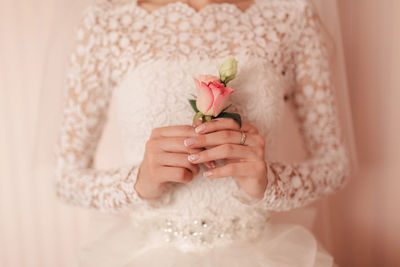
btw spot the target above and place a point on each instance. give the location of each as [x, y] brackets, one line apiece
[197, 116]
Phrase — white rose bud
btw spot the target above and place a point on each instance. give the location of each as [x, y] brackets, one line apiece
[228, 69]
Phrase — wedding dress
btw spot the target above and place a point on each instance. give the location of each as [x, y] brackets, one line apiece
[147, 61]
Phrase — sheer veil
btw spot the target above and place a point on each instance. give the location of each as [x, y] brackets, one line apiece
[51, 99]
[328, 12]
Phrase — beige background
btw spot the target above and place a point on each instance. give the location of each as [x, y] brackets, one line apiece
[35, 230]
[367, 220]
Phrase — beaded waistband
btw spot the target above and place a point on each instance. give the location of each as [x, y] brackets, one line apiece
[201, 233]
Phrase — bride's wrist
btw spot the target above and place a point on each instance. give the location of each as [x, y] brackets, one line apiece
[145, 190]
[148, 191]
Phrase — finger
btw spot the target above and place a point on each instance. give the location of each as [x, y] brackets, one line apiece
[209, 164]
[173, 144]
[170, 131]
[224, 124]
[239, 169]
[222, 137]
[198, 122]
[221, 152]
[175, 174]
[228, 161]
[176, 160]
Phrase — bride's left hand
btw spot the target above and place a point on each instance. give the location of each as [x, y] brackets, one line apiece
[244, 162]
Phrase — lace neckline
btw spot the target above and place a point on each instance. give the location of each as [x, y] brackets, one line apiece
[224, 6]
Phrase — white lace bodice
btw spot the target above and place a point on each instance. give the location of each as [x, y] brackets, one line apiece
[147, 61]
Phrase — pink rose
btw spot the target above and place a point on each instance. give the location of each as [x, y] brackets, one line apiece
[212, 95]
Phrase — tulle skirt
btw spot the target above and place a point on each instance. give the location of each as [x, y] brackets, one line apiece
[131, 245]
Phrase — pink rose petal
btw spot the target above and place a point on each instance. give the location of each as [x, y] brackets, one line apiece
[221, 101]
[205, 97]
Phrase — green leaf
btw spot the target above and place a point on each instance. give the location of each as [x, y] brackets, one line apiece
[234, 116]
[193, 104]
[208, 117]
[226, 108]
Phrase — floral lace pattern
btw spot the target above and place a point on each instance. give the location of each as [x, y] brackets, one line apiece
[120, 44]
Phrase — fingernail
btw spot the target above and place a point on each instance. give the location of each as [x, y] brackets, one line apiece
[199, 128]
[193, 157]
[189, 141]
[199, 120]
[207, 173]
[213, 164]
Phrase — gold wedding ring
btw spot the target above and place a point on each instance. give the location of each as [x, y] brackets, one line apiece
[243, 139]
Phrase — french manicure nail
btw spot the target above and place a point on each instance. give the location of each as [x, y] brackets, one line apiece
[193, 157]
[207, 173]
[189, 141]
[199, 128]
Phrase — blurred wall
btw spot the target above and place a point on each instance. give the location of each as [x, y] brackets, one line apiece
[36, 230]
[35, 37]
[366, 215]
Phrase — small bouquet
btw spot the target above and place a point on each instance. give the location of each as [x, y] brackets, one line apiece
[213, 94]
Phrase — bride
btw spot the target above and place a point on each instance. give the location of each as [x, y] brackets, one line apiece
[200, 195]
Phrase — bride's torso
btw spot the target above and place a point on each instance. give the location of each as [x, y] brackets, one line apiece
[154, 57]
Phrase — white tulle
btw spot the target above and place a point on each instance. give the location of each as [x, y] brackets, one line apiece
[132, 244]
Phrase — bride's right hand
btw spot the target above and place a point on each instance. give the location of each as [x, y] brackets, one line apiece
[165, 160]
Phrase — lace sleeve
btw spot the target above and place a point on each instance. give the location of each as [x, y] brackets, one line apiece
[327, 167]
[87, 98]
